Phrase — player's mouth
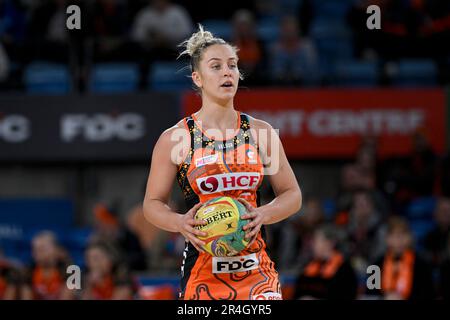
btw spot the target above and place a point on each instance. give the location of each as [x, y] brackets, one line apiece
[227, 84]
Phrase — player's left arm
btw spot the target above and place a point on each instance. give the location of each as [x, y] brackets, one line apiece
[288, 196]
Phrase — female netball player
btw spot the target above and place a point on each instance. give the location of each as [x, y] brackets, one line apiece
[223, 153]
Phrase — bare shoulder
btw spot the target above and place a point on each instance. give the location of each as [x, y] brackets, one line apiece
[261, 130]
[173, 134]
[174, 142]
[259, 124]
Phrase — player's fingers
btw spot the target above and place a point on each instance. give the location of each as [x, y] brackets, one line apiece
[252, 232]
[247, 205]
[250, 225]
[193, 244]
[197, 243]
[194, 209]
[190, 221]
[198, 248]
[252, 240]
[255, 218]
[199, 222]
[197, 232]
[249, 215]
[195, 222]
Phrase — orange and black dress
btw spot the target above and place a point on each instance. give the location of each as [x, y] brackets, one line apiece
[231, 167]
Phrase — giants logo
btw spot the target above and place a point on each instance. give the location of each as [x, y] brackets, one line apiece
[234, 264]
[228, 181]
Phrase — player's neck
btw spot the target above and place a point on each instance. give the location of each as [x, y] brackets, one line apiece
[218, 115]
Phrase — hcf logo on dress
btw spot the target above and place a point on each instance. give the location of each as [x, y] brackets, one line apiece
[228, 182]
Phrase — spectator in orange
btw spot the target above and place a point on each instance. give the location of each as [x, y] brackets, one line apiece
[404, 274]
[47, 276]
[251, 49]
[329, 275]
[106, 278]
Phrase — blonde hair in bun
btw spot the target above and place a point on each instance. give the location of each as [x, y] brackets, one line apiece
[199, 39]
[197, 43]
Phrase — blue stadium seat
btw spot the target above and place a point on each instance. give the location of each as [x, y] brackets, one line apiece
[114, 78]
[329, 28]
[219, 28]
[420, 229]
[333, 41]
[9, 247]
[22, 218]
[331, 9]
[268, 30]
[47, 78]
[77, 257]
[421, 208]
[37, 213]
[78, 238]
[329, 208]
[168, 76]
[356, 74]
[415, 72]
[334, 49]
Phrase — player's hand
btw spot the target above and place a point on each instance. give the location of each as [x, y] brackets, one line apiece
[257, 220]
[186, 226]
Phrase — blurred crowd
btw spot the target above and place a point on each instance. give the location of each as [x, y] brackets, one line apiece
[111, 253]
[288, 42]
[393, 213]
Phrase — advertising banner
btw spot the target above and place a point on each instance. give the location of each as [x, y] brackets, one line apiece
[79, 128]
[331, 123]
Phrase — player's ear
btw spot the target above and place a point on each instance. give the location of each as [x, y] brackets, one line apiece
[197, 79]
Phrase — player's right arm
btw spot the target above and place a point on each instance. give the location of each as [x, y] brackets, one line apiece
[166, 153]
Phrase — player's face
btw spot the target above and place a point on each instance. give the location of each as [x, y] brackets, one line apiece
[218, 74]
